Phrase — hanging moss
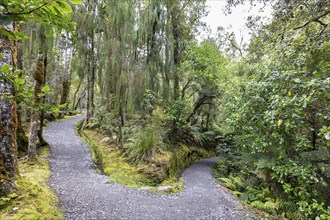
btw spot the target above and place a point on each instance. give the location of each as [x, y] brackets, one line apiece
[38, 74]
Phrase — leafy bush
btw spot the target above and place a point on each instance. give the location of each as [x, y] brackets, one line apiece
[192, 136]
[280, 116]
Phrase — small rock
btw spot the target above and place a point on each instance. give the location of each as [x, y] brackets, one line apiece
[164, 188]
[145, 188]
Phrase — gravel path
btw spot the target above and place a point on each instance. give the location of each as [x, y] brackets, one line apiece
[84, 194]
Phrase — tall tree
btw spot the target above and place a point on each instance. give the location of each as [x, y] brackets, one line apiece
[8, 117]
[39, 77]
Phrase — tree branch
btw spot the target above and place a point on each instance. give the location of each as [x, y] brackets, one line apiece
[29, 12]
[317, 20]
[183, 91]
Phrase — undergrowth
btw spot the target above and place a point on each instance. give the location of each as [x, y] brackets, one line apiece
[259, 189]
[109, 160]
[33, 198]
[156, 168]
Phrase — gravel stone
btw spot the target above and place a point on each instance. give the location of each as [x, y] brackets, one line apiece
[164, 188]
[85, 194]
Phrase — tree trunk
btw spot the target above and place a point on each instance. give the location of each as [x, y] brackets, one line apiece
[120, 125]
[93, 76]
[175, 16]
[42, 114]
[75, 96]
[167, 72]
[90, 81]
[66, 84]
[80, 99]
[22, 139]
[39, 77]
[8, 119]
[32, 150]
[153, 53]
[64, 96]
[88, 105]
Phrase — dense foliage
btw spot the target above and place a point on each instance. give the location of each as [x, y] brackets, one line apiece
[279, 116]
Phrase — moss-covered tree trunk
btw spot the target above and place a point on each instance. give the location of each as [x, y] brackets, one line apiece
[39, 77]
[64, 96]
[66, 83]
[177, 38]
[75, 96]
[90, 83]
[42, 115]
[8, 119]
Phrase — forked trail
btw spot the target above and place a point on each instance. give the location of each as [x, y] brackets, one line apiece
[84, 194]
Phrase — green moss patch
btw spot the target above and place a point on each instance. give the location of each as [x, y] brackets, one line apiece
[183, 156]
[33, 198]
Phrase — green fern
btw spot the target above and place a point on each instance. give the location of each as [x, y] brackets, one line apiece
[229, 183]
[234, 183]
[269, 206]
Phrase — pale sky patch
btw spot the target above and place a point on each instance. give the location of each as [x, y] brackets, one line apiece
[234, 22]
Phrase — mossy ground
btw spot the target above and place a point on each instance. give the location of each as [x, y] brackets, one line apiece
[120, 170]
[33, 198]
[114, 164]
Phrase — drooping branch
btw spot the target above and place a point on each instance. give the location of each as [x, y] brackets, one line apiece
[204, 100]
[185, 88]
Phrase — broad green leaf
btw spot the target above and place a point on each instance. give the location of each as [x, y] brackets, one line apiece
[5, 68]
[55, 110]
[19, 81]
[45, 89]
